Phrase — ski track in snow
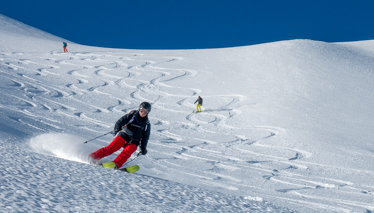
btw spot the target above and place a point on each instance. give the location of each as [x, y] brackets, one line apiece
[175, 147]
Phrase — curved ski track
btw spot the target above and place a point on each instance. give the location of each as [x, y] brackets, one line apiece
[202, 146]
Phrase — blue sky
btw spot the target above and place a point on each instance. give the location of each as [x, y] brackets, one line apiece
[178, 24]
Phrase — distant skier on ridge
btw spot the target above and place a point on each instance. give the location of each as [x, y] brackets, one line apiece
[131, 130]
[65, 46]
[199, 104]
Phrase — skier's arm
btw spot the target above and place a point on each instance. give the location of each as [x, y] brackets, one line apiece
[145, 138]
[121, 122]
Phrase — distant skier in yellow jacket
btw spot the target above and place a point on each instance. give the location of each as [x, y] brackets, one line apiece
[199, 104]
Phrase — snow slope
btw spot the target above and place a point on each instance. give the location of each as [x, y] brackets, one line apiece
[286, 126]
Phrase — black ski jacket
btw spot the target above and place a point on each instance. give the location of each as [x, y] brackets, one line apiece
[199, 101]
[137, 129]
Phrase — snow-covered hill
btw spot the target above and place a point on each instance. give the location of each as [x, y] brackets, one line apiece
[286, 126]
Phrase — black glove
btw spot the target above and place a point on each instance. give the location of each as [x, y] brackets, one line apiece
[143, 151]
[115, 131]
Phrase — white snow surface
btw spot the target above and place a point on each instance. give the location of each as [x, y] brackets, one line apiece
[286, 126]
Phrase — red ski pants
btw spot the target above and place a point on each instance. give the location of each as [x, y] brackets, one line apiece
[114, 146]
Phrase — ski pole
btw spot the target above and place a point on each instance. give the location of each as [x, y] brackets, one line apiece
[98, 137]
[133, 158]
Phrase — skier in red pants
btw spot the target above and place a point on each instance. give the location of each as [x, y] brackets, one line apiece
[65, 45]
[132, 130]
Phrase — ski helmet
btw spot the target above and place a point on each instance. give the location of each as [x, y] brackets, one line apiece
[146, 106]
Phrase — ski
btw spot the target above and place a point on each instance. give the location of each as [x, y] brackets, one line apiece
[130, 169]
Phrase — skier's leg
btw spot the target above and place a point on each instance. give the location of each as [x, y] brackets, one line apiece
[115, 145]
[199, 107]
[125, 154]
